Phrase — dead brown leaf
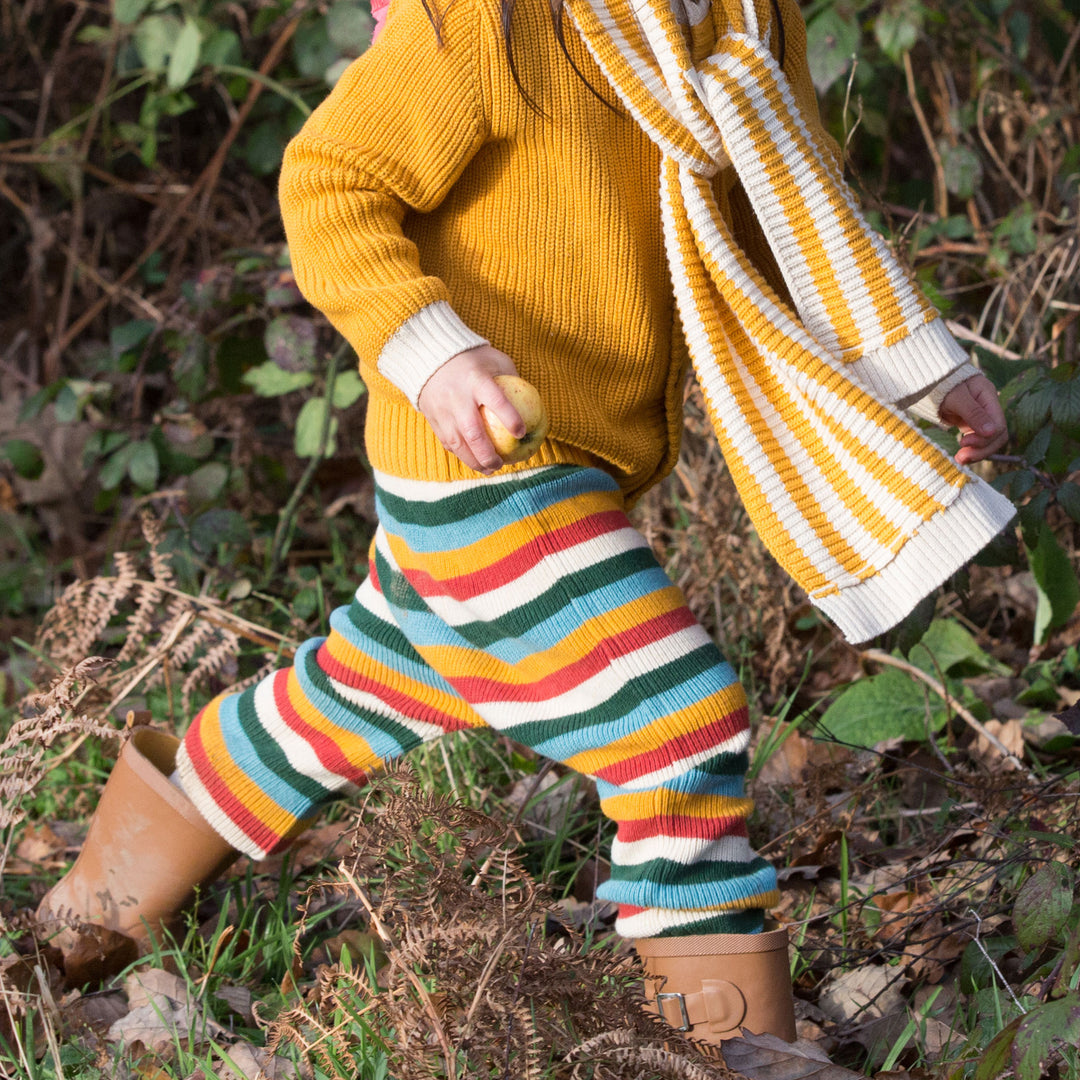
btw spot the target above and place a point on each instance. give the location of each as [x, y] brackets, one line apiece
[1011, 735]
[767, 1057]
[247, 1062]
[39, 849]
[788, 764]
[163, 1012]
[864, 993]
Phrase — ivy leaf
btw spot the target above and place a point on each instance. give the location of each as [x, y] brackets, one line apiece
[348, 388]
[268, 380]
[309, 428]
[1043, 904]
[185, 55]
[1055, 581]
[886, 706]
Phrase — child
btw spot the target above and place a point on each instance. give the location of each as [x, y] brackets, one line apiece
[496, 191]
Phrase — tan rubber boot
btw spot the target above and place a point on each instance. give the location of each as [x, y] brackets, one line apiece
[712, 985]
[146, 851]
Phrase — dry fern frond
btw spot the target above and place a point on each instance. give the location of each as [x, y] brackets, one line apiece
[481, 977]
[165, 632]
[50, 714]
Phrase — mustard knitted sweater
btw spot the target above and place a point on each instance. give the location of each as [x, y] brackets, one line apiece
[430, 209]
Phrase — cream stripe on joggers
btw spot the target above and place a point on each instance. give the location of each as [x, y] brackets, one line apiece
[529, 603]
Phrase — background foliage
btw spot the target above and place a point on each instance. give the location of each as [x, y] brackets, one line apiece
[166, 394]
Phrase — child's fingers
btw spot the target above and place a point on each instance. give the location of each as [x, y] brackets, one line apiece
[490, 394]
[463, 434]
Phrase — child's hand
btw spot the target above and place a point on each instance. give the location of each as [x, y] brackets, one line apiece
[451, 400]
[974, 408]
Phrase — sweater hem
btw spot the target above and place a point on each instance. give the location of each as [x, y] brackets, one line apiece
[401, 443]
[940, 547]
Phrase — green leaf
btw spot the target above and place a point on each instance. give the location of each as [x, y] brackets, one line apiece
[831, 41]
[1017, 230]
[291, 341]
[1065, 406]
[154, 37]
[1035, 450]
[948, 648]
[1055, 581]
[1068, 497]
[185, 55]
[127, 11]
[1043, 904]
[976, 969]
[1032, 411]
[995, 1059]
[25, 458]
[348, 388]
[268, 380]
[963, 170]
[886, 706]
[313, 52]
[222, 47]
[115, 468]
[1049, 1024]
[218, 527]
[897, 28]
[309, 428]
[349, 27]
[143, 465]
[206, 483]
[130, 335]
[264, 147]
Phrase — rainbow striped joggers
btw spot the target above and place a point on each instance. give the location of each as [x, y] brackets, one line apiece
[530, 603]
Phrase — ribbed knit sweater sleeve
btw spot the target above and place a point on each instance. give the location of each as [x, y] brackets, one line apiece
[394, 135]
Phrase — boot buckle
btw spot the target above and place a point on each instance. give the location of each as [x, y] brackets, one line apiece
[661, 998]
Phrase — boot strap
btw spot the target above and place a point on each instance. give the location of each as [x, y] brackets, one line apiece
[720, 1006]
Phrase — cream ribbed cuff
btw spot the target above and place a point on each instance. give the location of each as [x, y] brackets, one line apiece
[941, 546]
[422, 344]
[903, 372]
[928, 407]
